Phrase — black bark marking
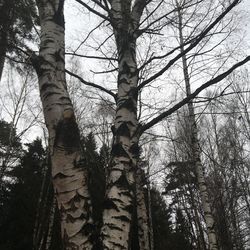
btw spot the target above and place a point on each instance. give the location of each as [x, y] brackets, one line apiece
[87, 229]
[58, 56]
[123, 182]
[118, 150]
[113, 130]
[45, 86]
[129, 208]
[133, 93]
[135, 149]
[123, 130]
[58, 17]
[125, 69]
[48, 94]
[37, 62]
[67, 134]
[122, 218]
[63, 98]
[112, 226]
[60, 176]
[128, 104]
[122, 80]
[109, 204]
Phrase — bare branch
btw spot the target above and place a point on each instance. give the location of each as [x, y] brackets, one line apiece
[93, 10]
[192, 45]
[193, 95]
[91, 84]
[92, 57]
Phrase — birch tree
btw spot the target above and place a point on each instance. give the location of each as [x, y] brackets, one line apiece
[196, 158]
[129, 21]
[69, 175]
[124, 18]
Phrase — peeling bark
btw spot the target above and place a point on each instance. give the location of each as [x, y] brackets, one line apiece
[206, 205]
[69, 174]
[121, 184]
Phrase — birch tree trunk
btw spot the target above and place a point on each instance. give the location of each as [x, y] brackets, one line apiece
[121, 185]
[150, 219]
[209, 219]
[69, 174]
[142, 213]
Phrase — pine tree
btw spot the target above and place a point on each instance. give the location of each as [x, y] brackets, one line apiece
[18, 207]
[17, 20]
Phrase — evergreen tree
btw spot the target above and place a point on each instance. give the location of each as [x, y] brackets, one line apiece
[18, 207]
[17, 20]
[10, 149]
[181, 236]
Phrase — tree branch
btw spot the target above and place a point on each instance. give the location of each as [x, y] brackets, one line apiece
[93, 10]
[92, 57]
[192, 45]
[91, 84]
[190, 97]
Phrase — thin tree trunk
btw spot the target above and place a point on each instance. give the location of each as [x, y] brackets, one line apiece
[41, 207]
[3, 49]
[196, 151]
[51, 224]
[4, 27]
[150, 219]
[142, 213]
[69, 175]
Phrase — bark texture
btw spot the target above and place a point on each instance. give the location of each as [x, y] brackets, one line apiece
[206, 205]
[142, 213]
[69, 174]
[121, 186]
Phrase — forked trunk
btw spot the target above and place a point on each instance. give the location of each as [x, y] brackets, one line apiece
[69, 173]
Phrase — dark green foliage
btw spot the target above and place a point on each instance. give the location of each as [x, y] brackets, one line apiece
[17, 20]
[95, 164]
[18, 208]
[161, 217]
[5, 131]
[181, 236]
[181, 174]
[19, 203]
[168, 235]
[10, 148]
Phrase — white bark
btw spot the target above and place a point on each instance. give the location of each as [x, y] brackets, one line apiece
[121, 183]
[206, 205]
[120, 197]
[68, 172]
[142, 213]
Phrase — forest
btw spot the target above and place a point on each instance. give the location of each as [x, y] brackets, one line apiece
[124, 125]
